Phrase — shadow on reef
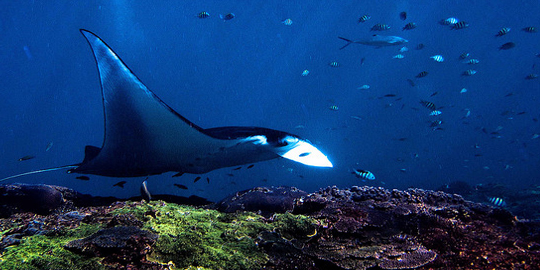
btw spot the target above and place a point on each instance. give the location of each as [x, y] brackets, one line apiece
[268, 228]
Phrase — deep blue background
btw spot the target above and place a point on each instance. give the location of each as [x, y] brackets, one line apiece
[247, 71]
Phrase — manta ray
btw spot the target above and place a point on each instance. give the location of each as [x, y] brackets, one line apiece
[144, 136]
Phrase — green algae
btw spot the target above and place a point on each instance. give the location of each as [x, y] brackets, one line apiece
[47, 252]
[210, 239]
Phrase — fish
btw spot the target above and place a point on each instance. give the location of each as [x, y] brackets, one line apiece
[334, 64]
[156, 139]
[196, 179]
[409, 26]
[435, 123]
[463, 90]
[250, 166]
[464, 55]
[377, 41]
[438, 58]
[434, 93]
[227, 17]
[364, 18]
[83, 177]
[472, 61]
[428, 104]
[49, 146]
[435, 113]
[503, 31]
[120, 184]
[305, 72]
[411, 82]
[449, 21]
[178, 174]
[469, 72]
[398, 56]
[459, 25]
[364, 87]
[497, 201]
[287, 22]
[380, 27]
[180, 186]
[507, 46]
[389, 95]
[403, 15]
[145, 194]
[530, 29]
[363, 174]
[208, 180]
[237, 168]
[531, 76]
[403, 49]
[420, 46]
[334, 108]
[203, 15]
[29, 157]
[422, 74]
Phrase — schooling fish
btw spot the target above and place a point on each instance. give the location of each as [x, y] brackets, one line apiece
[121, 184]
[469, 72]
[403, 15]
[409, 26]
[27, 158]
[497, 201]
[530, 29]
[422, 74]
[180, 186]
[363, 174]
[203, 15]
[287, 22]
[438, 58]
[227, 17]
[334, 64]
[196, 179]
[507, 46]
[376, 41]
[83, 177]
[449, 21]
[428, 104]
[503, 31]
[49, 146]
[460, 25]
[380, 27]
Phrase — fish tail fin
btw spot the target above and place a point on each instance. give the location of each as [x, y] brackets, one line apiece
[40, 171]
[349, 42]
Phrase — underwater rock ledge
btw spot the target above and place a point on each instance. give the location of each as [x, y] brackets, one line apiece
[285, 228]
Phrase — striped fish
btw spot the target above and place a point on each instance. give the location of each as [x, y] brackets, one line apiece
[428, 105]
[422, 74]
[449, 21]
[380, 27]
[203, 15]
[334, 64]
[438, 58]
[364, 18]
[460, 25]
[409, 26]
[497, 201]
[503, 32]
[530, 29]
[469, 72]
[364, 174]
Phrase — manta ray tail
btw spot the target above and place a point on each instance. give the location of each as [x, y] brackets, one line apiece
[349, 42]
[40, 171]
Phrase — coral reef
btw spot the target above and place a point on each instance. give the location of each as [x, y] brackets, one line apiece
[356, 228]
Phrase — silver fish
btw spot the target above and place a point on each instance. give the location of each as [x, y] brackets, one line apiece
[377, 41]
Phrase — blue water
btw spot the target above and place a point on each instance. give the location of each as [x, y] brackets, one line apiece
[247, 71]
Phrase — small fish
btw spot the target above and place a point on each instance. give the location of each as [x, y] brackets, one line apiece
[460, 25]
[422, 74]
[420, 46]
[380, 27]
[26, 158]
[180, 186]
[509, 94]
[403, 49]
[497, 201]
[334, 64]
[503, 32]
[449, 21]
[49, 146]
[435, 113]
[463, 90]
[389, 95]
[531, 76]
[363, 87]
[362, 61]
[434, 93]
[364, 18]
[230, 175]
[428, 105]
[411, 82]
[468, 113]
[507, 46]
[403, 15]
[227, 17]
[305, 72]
[250, 166]
[356, 117]
[364, 174]
[145, 194]
[435, 123]
[530, 29]
[196, 179]
[237, 168]
[208, 180]
[178, 174]
[203, 15]
[287, 22]
[535, 136]
[409, 26]
[334, 108]
[464, 55]
[83, 177]
[469, 72]
[121, 184]
[438, 58]
[398, 56]
[472, 61]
